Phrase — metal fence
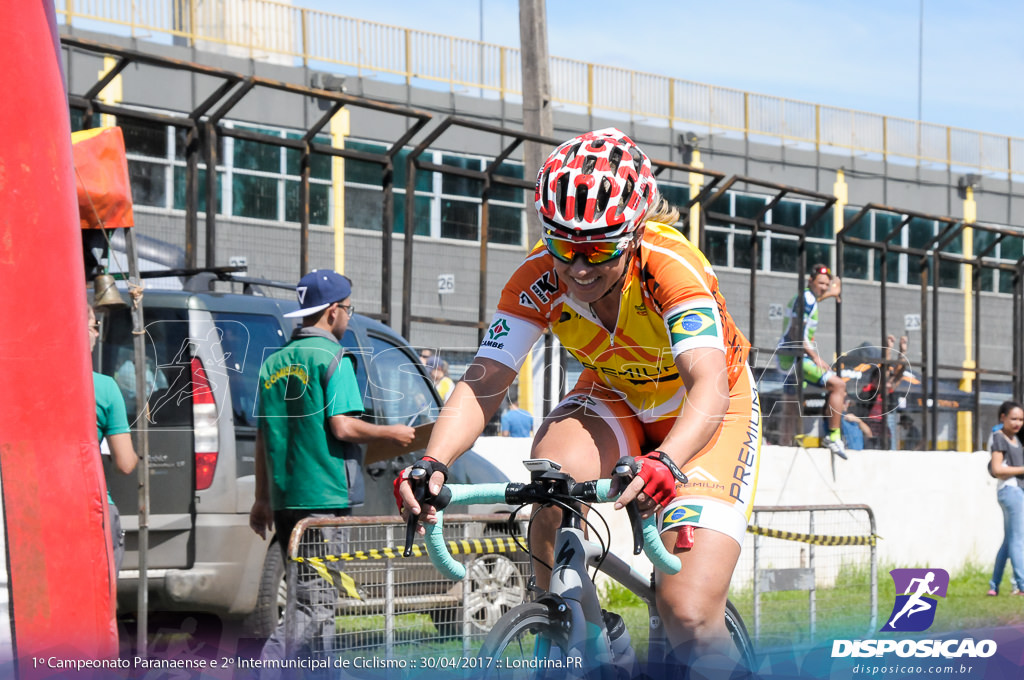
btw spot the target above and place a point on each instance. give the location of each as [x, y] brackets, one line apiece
[808, 573]
[262, 29]
[363, 599]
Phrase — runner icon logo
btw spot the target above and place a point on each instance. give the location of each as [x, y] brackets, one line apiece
[916, 593]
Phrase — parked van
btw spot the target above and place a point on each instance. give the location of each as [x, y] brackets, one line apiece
[204, 352]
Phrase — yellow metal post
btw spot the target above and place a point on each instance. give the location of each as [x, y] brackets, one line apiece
[964, 419]
[339, 131]
[526, 383]
[841, 190]
[112, 93]
[696, 184]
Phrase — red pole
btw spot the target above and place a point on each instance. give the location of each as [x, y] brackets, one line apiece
[60, 581]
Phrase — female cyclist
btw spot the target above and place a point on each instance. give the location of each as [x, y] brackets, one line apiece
[665, 373]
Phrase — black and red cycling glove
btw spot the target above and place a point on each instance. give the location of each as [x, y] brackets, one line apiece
[660, 475]
[427, 463]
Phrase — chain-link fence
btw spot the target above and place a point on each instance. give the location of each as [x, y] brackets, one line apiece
[808, 573]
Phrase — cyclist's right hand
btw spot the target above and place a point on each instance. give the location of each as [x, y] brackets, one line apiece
[409, 496]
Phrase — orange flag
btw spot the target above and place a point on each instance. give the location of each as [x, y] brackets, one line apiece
[101, 174]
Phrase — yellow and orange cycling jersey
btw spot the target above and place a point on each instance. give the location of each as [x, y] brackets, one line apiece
[670, 304]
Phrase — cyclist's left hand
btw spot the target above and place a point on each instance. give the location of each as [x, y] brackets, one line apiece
[405, 497]
[654, 485]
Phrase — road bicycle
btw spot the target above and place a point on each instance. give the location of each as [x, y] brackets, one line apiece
[563, 632]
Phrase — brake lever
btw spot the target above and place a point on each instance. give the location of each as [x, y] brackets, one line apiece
[421, 492]
[625, 470]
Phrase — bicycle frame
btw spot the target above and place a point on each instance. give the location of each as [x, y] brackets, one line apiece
[575, 554]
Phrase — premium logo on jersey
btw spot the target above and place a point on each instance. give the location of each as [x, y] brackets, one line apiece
[498, 330]
[683, 514]
[641, 309]
[692, 323]
[700, 475]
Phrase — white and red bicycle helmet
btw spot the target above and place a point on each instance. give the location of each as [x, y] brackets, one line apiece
[594, 187]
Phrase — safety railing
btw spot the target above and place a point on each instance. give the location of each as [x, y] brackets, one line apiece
[358, 597]
[265, 29]
[808, 573]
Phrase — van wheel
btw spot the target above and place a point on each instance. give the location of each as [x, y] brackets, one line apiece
[495, 586]
[272, 598]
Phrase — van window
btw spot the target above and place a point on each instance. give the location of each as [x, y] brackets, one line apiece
[402, 392]
[167, 367]
[246, 339]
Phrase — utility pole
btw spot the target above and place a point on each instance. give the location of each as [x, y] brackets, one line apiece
[533, 50]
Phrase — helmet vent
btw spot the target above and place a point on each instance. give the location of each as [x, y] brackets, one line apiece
[581, 201]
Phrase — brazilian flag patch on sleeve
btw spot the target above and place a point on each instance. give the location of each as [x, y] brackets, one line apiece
[692, 323]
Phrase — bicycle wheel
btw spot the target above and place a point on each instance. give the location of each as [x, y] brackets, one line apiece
[740, 638]
[525, 643]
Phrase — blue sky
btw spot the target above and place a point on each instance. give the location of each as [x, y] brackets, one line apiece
[861, 55]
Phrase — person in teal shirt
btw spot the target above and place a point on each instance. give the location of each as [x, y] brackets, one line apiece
[308, 462]
[112, 424]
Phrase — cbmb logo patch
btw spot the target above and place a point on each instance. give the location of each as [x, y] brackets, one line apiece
[498, 329]
[692, 323]
[914, 609]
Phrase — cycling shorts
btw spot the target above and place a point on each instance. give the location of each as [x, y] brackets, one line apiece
[722, 476]
[813, 373]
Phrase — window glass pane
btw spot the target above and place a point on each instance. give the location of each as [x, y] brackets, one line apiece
[823, 227]
[859, 229]
[987, 279]
[424, 178]
[787, 213]
[717, 247]
[148, 182]
[749, 206]
[181, 145]
[77, 119]
[1012, 248]
[363, 208]
[247, 339]
[253, 196]
[743, 251]
[884, 224]
[399, 388]
[784, 254]
[817, 253]
[179, 189]
[855, 262]
[675, 194]
[893, 263]
[461, 186]
[983, 240]
[950, 272]
[144, 138]
[920, 232]
[319, 202]
[319, 164]
[503, 192]
[421, 218]
[1005, 282]
[167, 378]
[364, 172]
[722, 207]
[505, 224]
[256, 155]
[459, 219]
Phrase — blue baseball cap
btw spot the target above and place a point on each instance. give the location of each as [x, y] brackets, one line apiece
[318, 290]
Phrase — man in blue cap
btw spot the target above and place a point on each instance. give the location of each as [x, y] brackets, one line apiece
[308, 460]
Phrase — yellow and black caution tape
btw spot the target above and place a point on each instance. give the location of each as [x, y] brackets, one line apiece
[813, 539]
[472, 546]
